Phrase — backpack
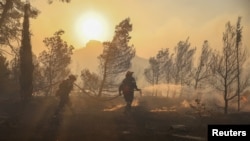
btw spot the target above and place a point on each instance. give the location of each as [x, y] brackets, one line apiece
[126, 87]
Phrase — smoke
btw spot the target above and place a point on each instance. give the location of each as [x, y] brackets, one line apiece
[186, 96]
[165, 90]
[164, 98]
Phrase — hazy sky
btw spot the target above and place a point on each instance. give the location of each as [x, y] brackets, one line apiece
[157, 24]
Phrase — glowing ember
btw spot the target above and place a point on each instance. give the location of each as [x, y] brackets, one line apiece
[114, 108]
[244, 98]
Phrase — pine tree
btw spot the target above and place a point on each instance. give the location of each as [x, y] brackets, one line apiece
[55, 59]
[116, 56]
[183, 62]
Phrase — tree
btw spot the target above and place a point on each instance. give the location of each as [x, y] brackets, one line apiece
[38, 78]
[226, 66]
[166, 63]
[10, 22]
[152, 74]
[11, 12]
[238, 51]
[203, 71]
[183, 62]
[55, 59]
[159, 67]
[91, 81]
[116, 57]
[26, 64]
[15, 66]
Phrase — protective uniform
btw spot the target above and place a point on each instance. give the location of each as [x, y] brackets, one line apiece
[63, 92]
[127, 88]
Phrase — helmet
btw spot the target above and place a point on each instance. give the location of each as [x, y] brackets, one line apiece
[72, 77]
[129, 73]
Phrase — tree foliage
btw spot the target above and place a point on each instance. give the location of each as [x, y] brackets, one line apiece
[11, 12]
[56, 58]
[91, 81]
[165, 59]
[183, 62]
[159, 67]
[51, 1]
[38, 78]
[238, 51]
[152, 73]
[203, 71]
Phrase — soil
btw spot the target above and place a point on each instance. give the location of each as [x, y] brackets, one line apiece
[151, 119]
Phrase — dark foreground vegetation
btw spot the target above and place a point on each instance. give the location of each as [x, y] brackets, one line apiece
[152, 119]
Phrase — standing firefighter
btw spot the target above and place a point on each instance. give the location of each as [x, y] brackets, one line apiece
[127, 89]
[63, 93]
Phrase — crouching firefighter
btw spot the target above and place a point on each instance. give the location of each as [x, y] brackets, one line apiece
[127, 88]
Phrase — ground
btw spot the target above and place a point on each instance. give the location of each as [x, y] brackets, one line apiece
[151, 119]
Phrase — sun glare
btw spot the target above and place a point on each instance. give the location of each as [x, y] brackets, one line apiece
[91, 26]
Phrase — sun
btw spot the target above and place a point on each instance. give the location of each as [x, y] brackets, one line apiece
[91, 26]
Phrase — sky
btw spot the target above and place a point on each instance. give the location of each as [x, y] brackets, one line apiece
[157, 24]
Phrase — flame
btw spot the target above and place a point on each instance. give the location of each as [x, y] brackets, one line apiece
[114, 108]
[244, 98]
[119, 106]
[185, 104]
[135, 102]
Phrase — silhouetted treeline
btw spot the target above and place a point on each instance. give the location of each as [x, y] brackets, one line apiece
[219, 69]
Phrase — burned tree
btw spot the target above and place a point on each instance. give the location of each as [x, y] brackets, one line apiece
[226, 67]
[203, 71]
[183, 62]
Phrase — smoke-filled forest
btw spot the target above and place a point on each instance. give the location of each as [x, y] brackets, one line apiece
[122, 84]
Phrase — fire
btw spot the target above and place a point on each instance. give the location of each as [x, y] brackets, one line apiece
[135, 102]
[244, 98]
[114, 108]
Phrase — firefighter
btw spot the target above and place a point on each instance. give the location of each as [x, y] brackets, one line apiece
[127, 88]
[63, 93]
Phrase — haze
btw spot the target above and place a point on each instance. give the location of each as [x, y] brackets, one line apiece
[156, 24]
